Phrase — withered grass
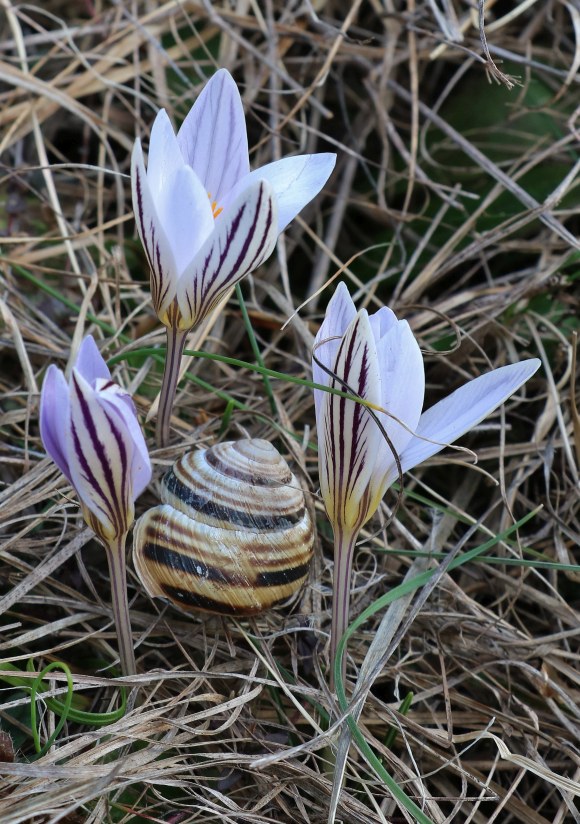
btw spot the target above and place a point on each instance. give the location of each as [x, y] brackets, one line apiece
[454, 201]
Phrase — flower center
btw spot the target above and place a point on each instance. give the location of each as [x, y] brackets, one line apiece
[214, 207]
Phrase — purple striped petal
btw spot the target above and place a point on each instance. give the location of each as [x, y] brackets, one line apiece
[339, 314]
[54, 412]
[348, 438]
[164, 274]
[244, 237]
[100, 455]
[213, 139]
[121, 405]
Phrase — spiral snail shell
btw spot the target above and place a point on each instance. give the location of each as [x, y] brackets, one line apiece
[233, 535]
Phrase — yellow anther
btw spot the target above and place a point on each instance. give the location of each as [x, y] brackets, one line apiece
[214, 207]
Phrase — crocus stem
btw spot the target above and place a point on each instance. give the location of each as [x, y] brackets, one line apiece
[343, 552]
[118, 573]
[175, 344]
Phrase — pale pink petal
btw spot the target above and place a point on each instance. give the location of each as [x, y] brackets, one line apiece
[244, 237]
[164, 274]
[463, 409]
[54, 416]
[348, 438]
[90, 363]
[213, 137]
[294, 180]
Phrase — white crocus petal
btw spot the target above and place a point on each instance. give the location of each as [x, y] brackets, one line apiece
[244, 237]
[213, 139]
[451, 417]
[294, 180]
[164, 158]
[181, 202]
[99, 456]
[403, 390]
[348, 437]
[90, 363]
[188, 219]
[340, 312]
[120, 404]
[382, 322]
[54, 406]
[164, 273]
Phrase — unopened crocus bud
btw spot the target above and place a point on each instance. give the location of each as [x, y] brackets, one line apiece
[89, 428]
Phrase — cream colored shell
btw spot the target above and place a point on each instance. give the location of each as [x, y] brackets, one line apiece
[233, 535]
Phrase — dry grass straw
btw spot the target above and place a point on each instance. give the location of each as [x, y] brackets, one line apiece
[454, 201]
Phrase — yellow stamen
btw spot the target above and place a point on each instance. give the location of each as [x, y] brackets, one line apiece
[214, 207]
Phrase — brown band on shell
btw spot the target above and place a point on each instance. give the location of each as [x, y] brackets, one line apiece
[282, 576]
[178, 561]
[249, 475]
[192, 600]
[234, 517]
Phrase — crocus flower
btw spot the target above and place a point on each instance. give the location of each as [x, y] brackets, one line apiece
[90, 430]
[204, 219]
[377, 358]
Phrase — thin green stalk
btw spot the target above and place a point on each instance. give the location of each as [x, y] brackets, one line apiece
[118, 574]
[392, 732]
[175, 344]
[261, 370]
[255, 347]
[343, 554]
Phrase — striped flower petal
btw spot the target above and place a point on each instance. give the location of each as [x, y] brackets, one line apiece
[339, 314]
[100, 456]
[213, 139]
[89, 428]
[120, 405]
[349, 438]
[244, 237]
[164, 274]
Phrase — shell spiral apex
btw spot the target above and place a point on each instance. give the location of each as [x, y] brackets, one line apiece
[233, 535]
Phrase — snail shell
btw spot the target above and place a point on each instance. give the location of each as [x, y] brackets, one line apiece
[233, 535]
